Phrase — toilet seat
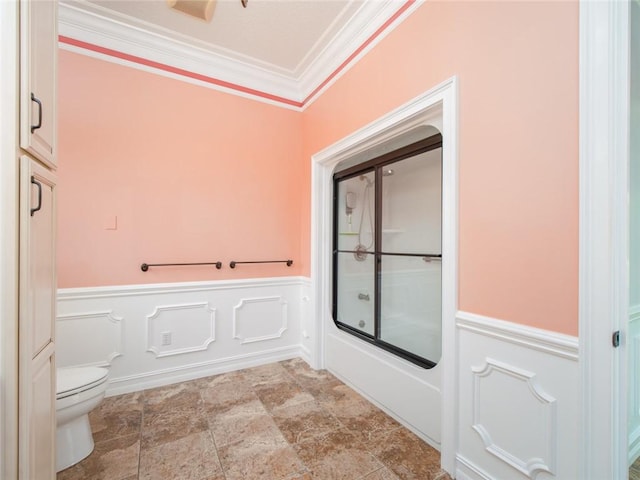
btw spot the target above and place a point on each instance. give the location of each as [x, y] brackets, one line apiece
[73, 380]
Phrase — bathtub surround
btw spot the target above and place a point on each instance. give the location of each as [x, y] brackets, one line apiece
[282, 420]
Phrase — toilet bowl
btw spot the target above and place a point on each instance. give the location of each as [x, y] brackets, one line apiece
[79, 390]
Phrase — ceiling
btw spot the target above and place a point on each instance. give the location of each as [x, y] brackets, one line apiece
[286, 50]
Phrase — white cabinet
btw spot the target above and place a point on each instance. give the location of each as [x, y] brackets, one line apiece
[38, 88]
[38, 47]
[37, 373]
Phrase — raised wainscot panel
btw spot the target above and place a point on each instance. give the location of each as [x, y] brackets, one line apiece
[518, 401]
[72, 328]
[495, 414]
[259, 319]
[179, 329]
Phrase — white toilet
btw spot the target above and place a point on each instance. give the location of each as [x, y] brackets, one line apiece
[79, 390]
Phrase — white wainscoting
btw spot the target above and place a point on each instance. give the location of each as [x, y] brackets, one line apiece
[157, 334]
[633, 352]
[518, 397]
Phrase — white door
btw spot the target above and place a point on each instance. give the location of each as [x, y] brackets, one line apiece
[37, 417]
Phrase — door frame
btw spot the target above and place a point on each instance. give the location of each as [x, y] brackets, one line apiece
[603, 235]
[440, 102]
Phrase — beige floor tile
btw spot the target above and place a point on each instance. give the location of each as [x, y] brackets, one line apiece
[442, 475]
[337, 455]
[282, 395]
[191, 458]
[266, 375]
[406, 455]
[115, 459]
[369, 423]
[246, 423]
[382, 474]
[310, 379]
[303, 421]
[113, 425]
[166, 426]
[172, 397]
[215, 380]
[128, 402]
[282, 421]
[227, 394]
[263, 459]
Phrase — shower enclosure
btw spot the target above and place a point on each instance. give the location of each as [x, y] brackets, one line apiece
[387, 255]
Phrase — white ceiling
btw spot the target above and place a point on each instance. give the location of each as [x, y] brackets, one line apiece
[283, 48]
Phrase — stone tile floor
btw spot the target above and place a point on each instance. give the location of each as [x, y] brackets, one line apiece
[278, 421]
[634, 470]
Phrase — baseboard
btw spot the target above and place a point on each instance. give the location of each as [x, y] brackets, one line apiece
[468, 471]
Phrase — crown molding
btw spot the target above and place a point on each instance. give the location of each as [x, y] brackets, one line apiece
[95, 28]
[115, 35]
[369, 26]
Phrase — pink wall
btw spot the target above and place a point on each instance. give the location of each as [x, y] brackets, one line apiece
[517, 64]
[192, 175]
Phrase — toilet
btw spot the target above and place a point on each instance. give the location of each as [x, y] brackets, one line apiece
[79, 390]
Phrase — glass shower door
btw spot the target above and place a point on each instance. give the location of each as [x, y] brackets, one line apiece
[411, 254]
[388, 251]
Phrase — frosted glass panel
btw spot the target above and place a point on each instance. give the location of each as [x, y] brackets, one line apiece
[355, 213]
[356, 295]
[411, 305]
[412, 204]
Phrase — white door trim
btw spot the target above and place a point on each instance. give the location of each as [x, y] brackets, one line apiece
[603, 235]
[440, 102]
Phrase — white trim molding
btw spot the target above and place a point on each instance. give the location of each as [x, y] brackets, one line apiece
[433, 111]
[518, 389]
[181, 331]
[102, 324]
[603, 235]
[276, 325]
[535, 338]
[546, 410]
[293, 88]
[206, 325]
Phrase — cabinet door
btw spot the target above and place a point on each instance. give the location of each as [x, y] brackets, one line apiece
[38, 60]
[42, 417]
[37, 321]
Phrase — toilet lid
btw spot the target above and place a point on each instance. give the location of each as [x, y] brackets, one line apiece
[72, 380]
